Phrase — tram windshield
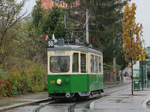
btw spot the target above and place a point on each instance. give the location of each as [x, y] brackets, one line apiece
[59, 64]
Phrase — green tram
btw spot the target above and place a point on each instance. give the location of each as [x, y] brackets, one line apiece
[74, 71]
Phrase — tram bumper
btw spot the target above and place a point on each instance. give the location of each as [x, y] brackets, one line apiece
[61, 95]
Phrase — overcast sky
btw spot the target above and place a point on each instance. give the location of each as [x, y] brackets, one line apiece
[142, 14]
[29, 5]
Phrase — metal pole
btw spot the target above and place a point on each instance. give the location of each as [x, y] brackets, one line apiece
[142, 76]
[146, 76]
[87, 26]
[65, 19]
[132, 77]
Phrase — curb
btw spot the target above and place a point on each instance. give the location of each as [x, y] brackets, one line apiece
[21, 104]
[146, 103]
[115, 85]
[92, 104]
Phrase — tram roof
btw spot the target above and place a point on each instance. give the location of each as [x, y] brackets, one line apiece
[76, 48]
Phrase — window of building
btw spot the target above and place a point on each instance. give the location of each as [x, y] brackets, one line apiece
[75, 62]
[83, 63]
[59, 64]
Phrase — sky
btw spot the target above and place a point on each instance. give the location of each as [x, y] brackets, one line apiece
[142, 16]
[29, 5]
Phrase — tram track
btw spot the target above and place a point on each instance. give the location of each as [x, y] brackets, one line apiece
[71, 106]
[43, 105]
[84, 103]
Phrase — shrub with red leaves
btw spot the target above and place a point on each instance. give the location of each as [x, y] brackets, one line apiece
[0, 81]
[6, 82]
[4, 88]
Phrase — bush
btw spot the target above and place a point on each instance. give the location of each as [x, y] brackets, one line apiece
[4, 84]
[16, 81]
[30, 78]
[35, 78]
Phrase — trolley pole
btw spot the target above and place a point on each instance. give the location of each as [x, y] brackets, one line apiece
[87, 26]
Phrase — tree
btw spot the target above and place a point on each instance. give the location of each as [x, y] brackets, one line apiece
[132, 32]
[106, 15]
[46, 22]
[10, 15]
[105, 28]
[49, 21]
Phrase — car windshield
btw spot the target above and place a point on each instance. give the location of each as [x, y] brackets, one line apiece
[59, 64]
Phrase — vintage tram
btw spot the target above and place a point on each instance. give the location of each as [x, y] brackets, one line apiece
[74, 71]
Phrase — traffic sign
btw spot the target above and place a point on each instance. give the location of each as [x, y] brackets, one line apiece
[142, 57]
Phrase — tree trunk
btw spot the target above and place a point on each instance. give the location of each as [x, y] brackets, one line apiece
[131, 77]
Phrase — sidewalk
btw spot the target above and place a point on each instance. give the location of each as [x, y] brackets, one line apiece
[123, 101]
[11, 102]
[112, 84]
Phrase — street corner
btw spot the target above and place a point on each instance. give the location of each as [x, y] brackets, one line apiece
[92, 104]
[146, 103]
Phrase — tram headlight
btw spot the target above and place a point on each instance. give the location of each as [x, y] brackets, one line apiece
[59, 81]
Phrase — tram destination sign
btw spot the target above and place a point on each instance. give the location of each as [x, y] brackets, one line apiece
[51, 43]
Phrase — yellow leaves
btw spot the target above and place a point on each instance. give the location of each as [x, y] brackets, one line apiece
[135, 59]
[126, 57]
[140, 50]
[134, 6]
[126, 11]
[131, 34]
[133, 11]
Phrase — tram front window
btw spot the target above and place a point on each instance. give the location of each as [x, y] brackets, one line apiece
[59, 64]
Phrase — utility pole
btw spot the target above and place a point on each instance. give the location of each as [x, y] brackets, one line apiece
[87, 26]
[65, 19]
[114, 57]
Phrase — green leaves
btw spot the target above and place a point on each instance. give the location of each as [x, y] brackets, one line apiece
[10, 15]
[30, 78]
[49, 21]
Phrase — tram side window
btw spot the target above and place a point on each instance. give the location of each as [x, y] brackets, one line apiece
[96, 64]
[92, 63]
[83, 63]
[75, 63]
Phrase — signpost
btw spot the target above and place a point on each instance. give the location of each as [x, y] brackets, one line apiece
[142, 58]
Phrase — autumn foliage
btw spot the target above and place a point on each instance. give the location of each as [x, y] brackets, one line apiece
[5, 88]
[132, 32]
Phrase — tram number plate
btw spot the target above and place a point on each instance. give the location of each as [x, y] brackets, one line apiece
[52, 82]
[51, 43]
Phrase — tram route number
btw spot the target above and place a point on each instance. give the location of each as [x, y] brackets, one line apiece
[51, 43]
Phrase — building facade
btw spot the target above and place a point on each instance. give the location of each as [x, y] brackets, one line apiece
[48, 4]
